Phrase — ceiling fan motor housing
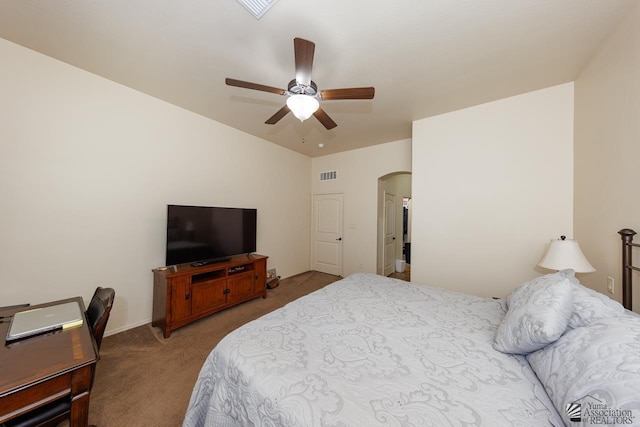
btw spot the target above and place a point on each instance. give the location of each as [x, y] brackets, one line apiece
[295, 88]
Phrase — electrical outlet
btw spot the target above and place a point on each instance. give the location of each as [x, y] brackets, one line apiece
[611, 285]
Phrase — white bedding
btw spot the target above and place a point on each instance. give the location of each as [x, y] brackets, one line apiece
[369, 351]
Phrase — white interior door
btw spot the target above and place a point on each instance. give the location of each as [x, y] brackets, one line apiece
[326, 250]
[389, 222]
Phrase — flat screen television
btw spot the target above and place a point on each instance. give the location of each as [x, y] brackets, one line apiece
[202, 234]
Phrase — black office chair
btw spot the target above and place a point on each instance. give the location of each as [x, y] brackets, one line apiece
[54, 413]
[98, 312]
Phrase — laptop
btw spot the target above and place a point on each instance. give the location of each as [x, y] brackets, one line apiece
[45, 319]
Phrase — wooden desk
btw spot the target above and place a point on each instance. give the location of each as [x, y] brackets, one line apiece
[41, 369]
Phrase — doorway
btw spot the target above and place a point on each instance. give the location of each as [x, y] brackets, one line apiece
[326, 238]
[394, 228]
[389, 222]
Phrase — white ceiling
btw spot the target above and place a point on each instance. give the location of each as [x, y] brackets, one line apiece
[424, 57]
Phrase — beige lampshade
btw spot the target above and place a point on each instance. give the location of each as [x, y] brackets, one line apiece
[563, 254]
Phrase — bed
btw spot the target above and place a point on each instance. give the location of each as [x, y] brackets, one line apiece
[368, 350]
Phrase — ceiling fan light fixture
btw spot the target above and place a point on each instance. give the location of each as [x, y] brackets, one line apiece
[302, 92]
[302, 106]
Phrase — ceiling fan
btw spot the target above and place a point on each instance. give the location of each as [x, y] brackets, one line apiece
[302, 92]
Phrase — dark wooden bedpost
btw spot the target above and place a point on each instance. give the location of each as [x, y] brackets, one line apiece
[627, 244]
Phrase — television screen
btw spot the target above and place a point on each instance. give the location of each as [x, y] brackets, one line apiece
[210, 234]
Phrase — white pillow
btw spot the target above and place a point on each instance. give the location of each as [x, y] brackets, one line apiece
[594, 365]
[589, 305]
[538, 314]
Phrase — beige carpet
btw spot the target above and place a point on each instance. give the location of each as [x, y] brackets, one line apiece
[144, 380]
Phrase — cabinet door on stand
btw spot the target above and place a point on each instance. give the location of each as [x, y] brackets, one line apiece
[180, 298]
[208, 296]
[241, 287]
[261, 275]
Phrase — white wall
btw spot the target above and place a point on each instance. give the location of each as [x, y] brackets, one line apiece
[492, 184]
[607, 151]
[358, 173]
[87, 168]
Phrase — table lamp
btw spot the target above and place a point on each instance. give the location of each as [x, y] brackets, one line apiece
[564, 254]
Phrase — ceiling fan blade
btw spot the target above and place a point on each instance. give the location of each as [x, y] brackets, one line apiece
[324, 119]
[278, 115]
[254, 86]
[349, 93]
[303, 50]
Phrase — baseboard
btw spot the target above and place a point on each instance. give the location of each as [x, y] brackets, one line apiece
[109, 332]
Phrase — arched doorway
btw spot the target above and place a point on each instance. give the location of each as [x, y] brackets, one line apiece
[394, 230]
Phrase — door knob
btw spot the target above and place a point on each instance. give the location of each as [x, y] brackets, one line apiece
[339, 238]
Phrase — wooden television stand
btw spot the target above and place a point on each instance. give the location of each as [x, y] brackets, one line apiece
[186, 293]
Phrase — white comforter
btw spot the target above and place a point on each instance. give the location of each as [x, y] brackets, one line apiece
[369, 351]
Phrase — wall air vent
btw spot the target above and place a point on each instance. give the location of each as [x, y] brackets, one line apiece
[257, 7]
[328, 176]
